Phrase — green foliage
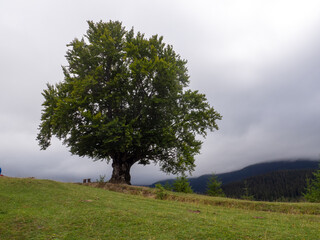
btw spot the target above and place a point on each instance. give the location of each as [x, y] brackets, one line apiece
[214, 187]
[181, 184]
[313, 188]
[102, 180]
[124, 98]
[167, 186]
[161, 192]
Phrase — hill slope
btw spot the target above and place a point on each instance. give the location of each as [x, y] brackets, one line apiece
[42, 209]
[199, 184]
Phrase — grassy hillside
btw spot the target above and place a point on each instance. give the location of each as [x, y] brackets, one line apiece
[42, 209]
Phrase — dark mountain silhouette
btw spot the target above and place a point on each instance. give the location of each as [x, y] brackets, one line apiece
[199, 184]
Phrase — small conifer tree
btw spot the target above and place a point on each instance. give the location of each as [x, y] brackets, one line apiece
[313, 188]
[214, 187]
[246, 195]
[182, 184]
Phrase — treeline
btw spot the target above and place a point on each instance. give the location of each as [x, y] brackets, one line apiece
[283, 185]
[270, 181]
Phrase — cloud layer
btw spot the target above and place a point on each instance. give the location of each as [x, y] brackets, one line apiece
[256, 62]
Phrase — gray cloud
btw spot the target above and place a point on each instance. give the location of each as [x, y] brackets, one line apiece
[256, 62]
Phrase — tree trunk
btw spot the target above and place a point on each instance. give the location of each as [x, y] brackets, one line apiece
[121, 172]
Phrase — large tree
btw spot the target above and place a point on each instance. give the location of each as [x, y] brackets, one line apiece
[124, 99]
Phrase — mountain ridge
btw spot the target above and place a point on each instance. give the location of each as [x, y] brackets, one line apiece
[198, 184]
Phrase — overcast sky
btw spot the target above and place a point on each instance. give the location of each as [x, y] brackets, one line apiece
[256, 61]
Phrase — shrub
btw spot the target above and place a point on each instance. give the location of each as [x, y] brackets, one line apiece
[101, 181]
[161, 192]
[167, 186]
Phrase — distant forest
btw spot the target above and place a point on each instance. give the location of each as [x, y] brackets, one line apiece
[269, 181]
[283, 185]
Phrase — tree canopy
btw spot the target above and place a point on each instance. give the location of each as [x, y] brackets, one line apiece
[125, 99]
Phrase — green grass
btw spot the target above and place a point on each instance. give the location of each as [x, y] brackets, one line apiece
[43, 209]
